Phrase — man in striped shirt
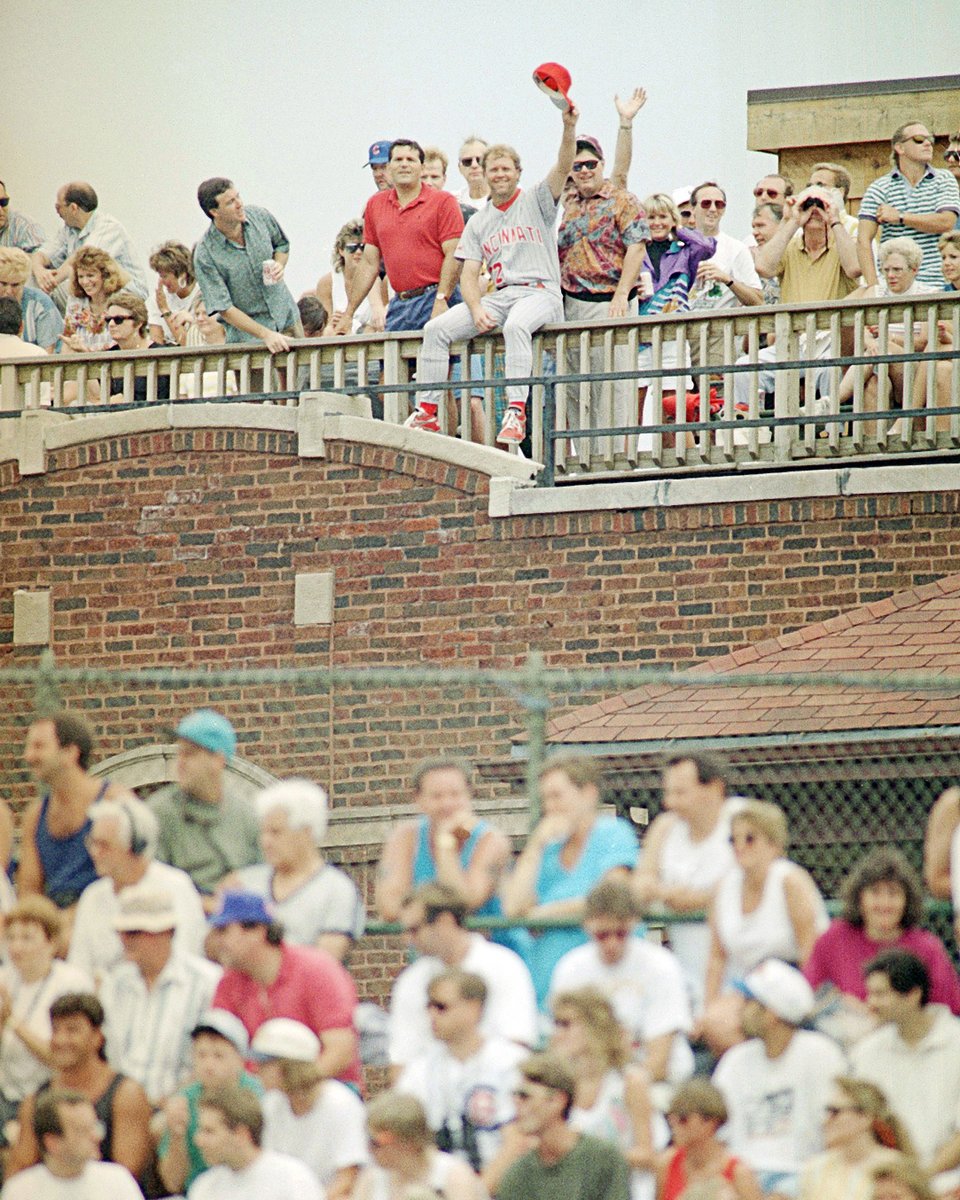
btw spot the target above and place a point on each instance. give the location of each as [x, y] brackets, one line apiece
[913, 200]
[156, 996]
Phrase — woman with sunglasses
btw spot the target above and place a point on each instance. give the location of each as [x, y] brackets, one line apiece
[697, 1156]
[334, 287]
[765, 907]
[125, 318]
[612, 1098]
[859, 1132]
[405, 1157]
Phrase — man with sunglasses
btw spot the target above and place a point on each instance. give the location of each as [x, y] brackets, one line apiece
[913, 200]
[564, 1162]
[476, 193]
[724, 281]
[17, 229]
[951, 160]
[643, 981]
[466, 1078]
[602, 243]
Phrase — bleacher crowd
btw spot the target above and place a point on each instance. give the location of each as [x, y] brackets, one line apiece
[178, 1014]
[578, 246]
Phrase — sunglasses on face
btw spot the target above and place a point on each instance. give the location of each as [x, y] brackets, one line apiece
[686, 213]
[4, 201]
[834, 1110]
[588, 164]
[439, 1006]
[605, 935]
[769, 193]
[920, 141]
[470, 160]
[353, 247]
[719, 205]
[114, 320]
[948, 156]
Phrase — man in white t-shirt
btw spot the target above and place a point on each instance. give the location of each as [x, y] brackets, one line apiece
[465, 1080]
[228, 1136]
[777, 1084]
[69, 1133]
[644, 982]
[122, 841]
[433, 920]
[320, 1121]
[726, 280]
[914, 1056]
[685, 854]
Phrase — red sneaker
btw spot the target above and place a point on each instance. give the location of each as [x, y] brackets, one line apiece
[421, 419]
[514, 427]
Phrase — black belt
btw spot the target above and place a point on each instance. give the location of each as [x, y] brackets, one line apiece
[413, 293]
[598, 297]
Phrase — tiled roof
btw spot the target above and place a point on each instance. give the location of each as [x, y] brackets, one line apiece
[916, 631]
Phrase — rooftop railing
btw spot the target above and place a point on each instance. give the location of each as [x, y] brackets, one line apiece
[602, 395]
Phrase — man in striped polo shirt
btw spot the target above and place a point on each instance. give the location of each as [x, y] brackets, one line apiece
[514, 235]
[913, 200]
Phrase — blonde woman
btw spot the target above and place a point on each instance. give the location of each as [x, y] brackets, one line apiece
[860, 1130]
[765, 907]
[612, 1097]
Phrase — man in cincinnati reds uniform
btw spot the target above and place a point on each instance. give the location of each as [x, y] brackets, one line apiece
[515, 236]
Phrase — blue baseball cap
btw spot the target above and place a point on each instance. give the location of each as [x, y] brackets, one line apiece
[210, 730]
[378, 155]
[244, 908]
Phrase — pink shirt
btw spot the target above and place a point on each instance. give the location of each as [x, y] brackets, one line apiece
[840, 954]
[311, 987]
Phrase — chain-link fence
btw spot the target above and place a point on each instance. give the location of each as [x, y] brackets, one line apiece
[845, 755]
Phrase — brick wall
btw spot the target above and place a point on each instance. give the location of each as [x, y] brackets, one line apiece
[181, 548]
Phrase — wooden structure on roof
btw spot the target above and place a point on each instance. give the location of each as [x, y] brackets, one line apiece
[849, 123]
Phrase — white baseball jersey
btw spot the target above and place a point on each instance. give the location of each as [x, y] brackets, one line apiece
[519, 243]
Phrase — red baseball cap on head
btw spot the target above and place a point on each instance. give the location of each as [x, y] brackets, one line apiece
[554, 81]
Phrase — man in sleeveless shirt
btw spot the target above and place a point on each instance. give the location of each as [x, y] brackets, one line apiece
[76, 1053]
[685, 853]
[53, 856]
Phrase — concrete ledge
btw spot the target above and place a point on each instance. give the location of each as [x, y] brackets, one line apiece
[483, 459]
[725, 489]
[315, 422]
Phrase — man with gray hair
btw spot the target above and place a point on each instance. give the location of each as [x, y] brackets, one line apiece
[85, 224]
[913, 199]
[122, 841]
[317, 903]
[157, 988]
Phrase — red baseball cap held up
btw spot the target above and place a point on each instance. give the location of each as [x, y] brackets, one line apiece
[554, 80]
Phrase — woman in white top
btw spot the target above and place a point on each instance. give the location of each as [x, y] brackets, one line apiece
[766, 907]
[401, 1145]
[30, 980]
[334, 288]
[612, 1098]
[859, 1133]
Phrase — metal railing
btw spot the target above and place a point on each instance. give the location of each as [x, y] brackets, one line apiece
[583, 376]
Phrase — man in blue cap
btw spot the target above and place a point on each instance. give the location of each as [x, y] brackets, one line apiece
[207, 827]
[378, 158]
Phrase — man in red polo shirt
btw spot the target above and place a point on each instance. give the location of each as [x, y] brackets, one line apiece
[265, 977]
[414, 229]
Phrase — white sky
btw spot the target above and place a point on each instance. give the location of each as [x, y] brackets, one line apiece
[146, 99]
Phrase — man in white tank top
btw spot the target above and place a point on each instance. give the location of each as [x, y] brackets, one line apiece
[684, 855]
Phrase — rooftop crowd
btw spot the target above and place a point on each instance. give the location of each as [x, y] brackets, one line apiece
[179, 1015]
[577, 246]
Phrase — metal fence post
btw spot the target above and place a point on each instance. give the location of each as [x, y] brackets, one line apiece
[46, 691]
[549, 472]
[537, 704]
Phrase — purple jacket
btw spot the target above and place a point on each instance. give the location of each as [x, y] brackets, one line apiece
[678, 269]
